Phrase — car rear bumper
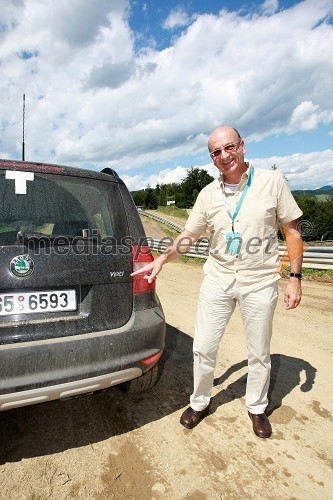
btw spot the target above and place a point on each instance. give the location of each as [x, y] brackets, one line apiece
[35, 372]
[67, 390]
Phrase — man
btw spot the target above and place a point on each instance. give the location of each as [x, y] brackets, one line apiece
[242, 210]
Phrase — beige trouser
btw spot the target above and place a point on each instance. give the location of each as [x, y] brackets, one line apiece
[215, 307]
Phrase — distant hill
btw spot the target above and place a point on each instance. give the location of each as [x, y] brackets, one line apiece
[320, 193]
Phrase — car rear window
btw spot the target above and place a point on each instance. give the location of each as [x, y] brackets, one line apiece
[58, 205]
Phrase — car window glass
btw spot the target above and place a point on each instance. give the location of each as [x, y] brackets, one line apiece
[56, 205]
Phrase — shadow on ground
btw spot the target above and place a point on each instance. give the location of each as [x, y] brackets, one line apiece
[57, 426]
[285, 376]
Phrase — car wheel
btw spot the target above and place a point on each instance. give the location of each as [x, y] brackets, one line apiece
[143, 383]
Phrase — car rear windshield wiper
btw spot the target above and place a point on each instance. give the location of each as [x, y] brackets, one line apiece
[23, 237]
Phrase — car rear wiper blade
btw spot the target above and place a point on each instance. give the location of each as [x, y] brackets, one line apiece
[48, 238]
[22, 236]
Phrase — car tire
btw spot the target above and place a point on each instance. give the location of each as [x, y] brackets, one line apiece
[143, 383]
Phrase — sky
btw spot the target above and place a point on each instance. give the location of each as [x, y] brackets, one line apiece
[138, 86]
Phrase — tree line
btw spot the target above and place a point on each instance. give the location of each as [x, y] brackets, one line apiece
[317, 220]
[183, 193]
[315, 224]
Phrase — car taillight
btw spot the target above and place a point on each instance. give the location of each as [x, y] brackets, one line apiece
[141, 256]
[152, 360]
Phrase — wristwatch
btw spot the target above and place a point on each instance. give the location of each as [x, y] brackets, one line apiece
[296, 275]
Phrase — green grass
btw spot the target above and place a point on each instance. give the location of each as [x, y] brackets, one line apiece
[168, 230]
[175, 211]
[311, 273]
[322, 274]
[307, 273]
[318, 273]
[188, 258]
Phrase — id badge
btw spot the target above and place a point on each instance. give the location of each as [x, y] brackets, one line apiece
[233, 240]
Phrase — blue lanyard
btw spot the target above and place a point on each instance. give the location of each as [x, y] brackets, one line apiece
[240, 202]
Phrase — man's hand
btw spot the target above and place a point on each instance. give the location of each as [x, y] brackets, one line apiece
[179, 246]
[293, 293]
[149, 271]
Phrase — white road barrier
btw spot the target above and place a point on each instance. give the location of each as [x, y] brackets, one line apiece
[315, 257]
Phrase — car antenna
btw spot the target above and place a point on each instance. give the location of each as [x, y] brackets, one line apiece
[23, 144]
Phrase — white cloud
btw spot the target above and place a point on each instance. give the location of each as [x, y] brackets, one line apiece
[303, 171]
[177, 18]
[75, 24]
[166, 176]
[92, 99]
[307, 116]
[10, 11]
[269, 7]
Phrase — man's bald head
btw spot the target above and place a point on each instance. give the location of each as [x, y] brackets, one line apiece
[220, 133]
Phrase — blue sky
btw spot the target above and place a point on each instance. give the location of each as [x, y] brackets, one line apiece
[139, 85]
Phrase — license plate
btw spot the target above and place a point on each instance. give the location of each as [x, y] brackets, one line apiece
[37, 302]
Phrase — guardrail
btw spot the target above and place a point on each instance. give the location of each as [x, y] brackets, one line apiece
[161, 219]
[313, 257]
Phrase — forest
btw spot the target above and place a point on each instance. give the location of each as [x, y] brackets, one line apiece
[315, 224]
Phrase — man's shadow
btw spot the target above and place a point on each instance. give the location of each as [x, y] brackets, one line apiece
[285, 376]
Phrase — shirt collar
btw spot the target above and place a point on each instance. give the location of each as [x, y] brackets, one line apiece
[243, 181]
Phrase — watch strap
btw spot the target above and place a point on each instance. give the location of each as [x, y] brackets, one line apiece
[296, 275]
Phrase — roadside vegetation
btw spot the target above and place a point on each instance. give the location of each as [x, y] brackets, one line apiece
[314, 274]
[173, 199]
[174, 211]
[325, 275]
[182, 194]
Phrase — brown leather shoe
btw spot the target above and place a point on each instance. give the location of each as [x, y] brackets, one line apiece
[261, 425]
[190, 418]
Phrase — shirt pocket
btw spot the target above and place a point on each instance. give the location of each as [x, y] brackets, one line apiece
[260, 211]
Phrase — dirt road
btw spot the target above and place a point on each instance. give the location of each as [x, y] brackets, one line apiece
[111, 446]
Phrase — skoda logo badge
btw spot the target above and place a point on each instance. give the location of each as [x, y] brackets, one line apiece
[22, 266]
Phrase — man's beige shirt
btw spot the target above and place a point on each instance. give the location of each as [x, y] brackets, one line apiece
[267, 203]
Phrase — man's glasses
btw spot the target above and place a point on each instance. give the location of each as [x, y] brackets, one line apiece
[229, 148]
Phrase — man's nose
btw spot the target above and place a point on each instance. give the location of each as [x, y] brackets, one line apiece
[224, 154]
